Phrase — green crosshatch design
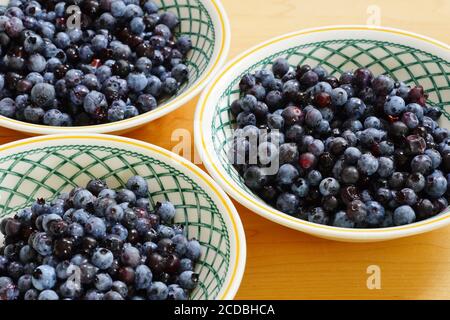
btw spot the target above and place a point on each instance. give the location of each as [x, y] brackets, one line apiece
[196, 23]
[403, 63]
[46, 172]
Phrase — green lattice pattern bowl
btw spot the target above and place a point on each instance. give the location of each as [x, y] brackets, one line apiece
[47, 166]
[408, 57]
[206, 23]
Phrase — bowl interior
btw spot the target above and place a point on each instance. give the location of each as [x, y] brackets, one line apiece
[40, 170]
[205, 23]
[338, 52]
[197, 23]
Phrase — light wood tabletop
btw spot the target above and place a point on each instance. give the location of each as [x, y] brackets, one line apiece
[286, 264]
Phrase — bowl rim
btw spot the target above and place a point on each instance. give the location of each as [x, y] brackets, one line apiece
[222, 27]
[237, 265]
[208, 155]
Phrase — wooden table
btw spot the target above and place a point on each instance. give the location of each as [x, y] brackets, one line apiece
[285, 264]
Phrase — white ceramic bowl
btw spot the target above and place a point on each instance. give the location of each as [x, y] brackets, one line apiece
[48, 165]
[206, 22]
[404, 55]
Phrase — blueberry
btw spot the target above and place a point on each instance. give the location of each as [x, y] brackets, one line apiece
[406, 196]
[143, 278]
[43, 94]
[54, 117]
[357, 211]
[125, 195]
[184, 44]
[121, 288]
[188, 280]
[435, 157]
[102, 258]
[130, 256]
[169, 19]
[166, 211]
[138, 185]
[313, 118]
[95, 227]
[7, 107]
[341, 220]
[339, 97]
[175, 292]
[114, 213]
[158, 291]
[318, 215]
[394, 106]
[383, 85]
[24, 283]
[415, 109]
[287, 174]
[48, 295]
[94, 295]
[44, 277]
[287, 203]
[352, 155]
[386, 167]
[193, 250]
[300, 188]
[355, 108]
[8, 290]
[350, 175]
[112, 295]
[314, 177]
[375, 213]
[436, 186]
[94, 102]
[368, 164]
[70, 289]
[31, 294]
[103, 282]
[404, 215]
[422, 164]
[170, 86]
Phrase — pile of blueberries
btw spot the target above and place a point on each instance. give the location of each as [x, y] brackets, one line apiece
[121, 61]
[96, 243]
[358, 151]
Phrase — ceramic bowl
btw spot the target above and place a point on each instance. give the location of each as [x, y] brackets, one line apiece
[406, 56]
[43, 167]
[206, 22]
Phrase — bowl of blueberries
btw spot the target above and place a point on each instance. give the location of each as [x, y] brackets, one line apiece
[105, 66]
[341, 132]
[98, 217]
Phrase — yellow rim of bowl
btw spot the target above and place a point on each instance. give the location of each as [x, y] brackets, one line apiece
[191, 167]
[157, 110]
[271, 210]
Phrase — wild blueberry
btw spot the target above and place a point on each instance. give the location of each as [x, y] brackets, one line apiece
[422, 164]
[125, 195]
[287, 203]
[318, 215]
[368, 164]
[375, 213]
[287, 174]
[355, 108]
[404, 215]
[341, 220]
[44, 277]
[95, 227]
[48, 295]
[102, 258]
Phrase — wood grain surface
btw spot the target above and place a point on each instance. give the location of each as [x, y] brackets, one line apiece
[285, 264]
